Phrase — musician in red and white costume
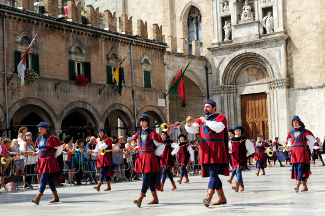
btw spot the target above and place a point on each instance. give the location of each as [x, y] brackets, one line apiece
[104, 162]
[316, 152]
[260, 154]
[150, 145]
[184, 155]
[49, 148]
[275, 147]
[301, 142]
[213, 150]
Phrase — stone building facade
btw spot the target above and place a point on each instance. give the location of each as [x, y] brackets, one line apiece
[264, 58]
[67, 48]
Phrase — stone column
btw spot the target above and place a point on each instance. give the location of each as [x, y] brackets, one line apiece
[185, 46]
[172, 43]
[196, 47]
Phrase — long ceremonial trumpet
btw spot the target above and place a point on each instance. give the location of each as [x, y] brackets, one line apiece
[102, 151]
[4, 160]
[164, 126]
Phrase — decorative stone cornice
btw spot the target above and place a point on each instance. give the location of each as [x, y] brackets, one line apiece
[225, 89]
[279, 84]
[222, 48]
[272, 84]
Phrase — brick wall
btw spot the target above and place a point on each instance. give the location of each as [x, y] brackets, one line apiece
[55, 44]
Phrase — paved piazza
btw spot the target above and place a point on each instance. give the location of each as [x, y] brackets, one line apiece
[272, 194]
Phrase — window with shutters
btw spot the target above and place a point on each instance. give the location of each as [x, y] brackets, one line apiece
[110, 71]
[147, 79]
[78, 68]
[32, 61]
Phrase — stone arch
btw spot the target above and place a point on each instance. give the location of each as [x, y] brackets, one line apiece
[36, 102]
[120, 107]
[184, 17]
[146, 57]
[77, 45]
[232, 64]
[23, 34]
[84, 105]
[151, 108]
[187, 8]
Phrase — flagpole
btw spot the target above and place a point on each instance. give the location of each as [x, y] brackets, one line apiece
[101, 89]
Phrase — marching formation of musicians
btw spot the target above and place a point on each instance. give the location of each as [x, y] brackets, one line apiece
[221, 150]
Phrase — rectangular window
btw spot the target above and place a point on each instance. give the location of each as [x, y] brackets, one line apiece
[79, 68]
[147, 79]
[29, 61]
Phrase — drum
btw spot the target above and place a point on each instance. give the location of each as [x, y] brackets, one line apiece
[117, 158]
[281, 156]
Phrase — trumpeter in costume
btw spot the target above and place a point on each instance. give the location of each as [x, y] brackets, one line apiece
[213, 149]
[184, 155]
[241, 148]
[104, 161]
[150, 145]
[231, 134]
[300, 140]
[49, 148]
[275, 147]
[267, 140]
[316, 152]
[259, 155]
[167, 161]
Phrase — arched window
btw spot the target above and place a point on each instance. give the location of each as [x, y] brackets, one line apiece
[195, 28]
[25, 40]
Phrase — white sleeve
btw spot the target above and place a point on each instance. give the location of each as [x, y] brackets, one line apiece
[194, 129]
[190, 150]
[96, 150]
[58, 150]
[249, 147]
[289, 142]
[160, 148]
[215, 126]
[266, 148]
[230, 146]
[310, 142]
[316, 147]
[176, 147]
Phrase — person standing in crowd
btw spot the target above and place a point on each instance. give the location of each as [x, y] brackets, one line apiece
[116, 146]
[128, 157]
[300, 140]
[184, 155]
[79, 160]
[316, 152]
[260, 154]
[241, 148]
[91, 146]
[166, 159]
[22, 135]
[31, 151]
[149, 146]
[71, 157]
[49, 147]
[19, 162]
[231, 134]
[104, 162]
[8, 154]
[213, 154]
[275, 147]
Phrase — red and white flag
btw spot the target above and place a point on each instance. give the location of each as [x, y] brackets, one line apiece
[22, 64]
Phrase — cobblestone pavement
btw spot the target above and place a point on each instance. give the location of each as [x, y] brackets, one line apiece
[271, 194]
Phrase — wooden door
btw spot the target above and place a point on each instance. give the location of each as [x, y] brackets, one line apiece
[254, 114]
